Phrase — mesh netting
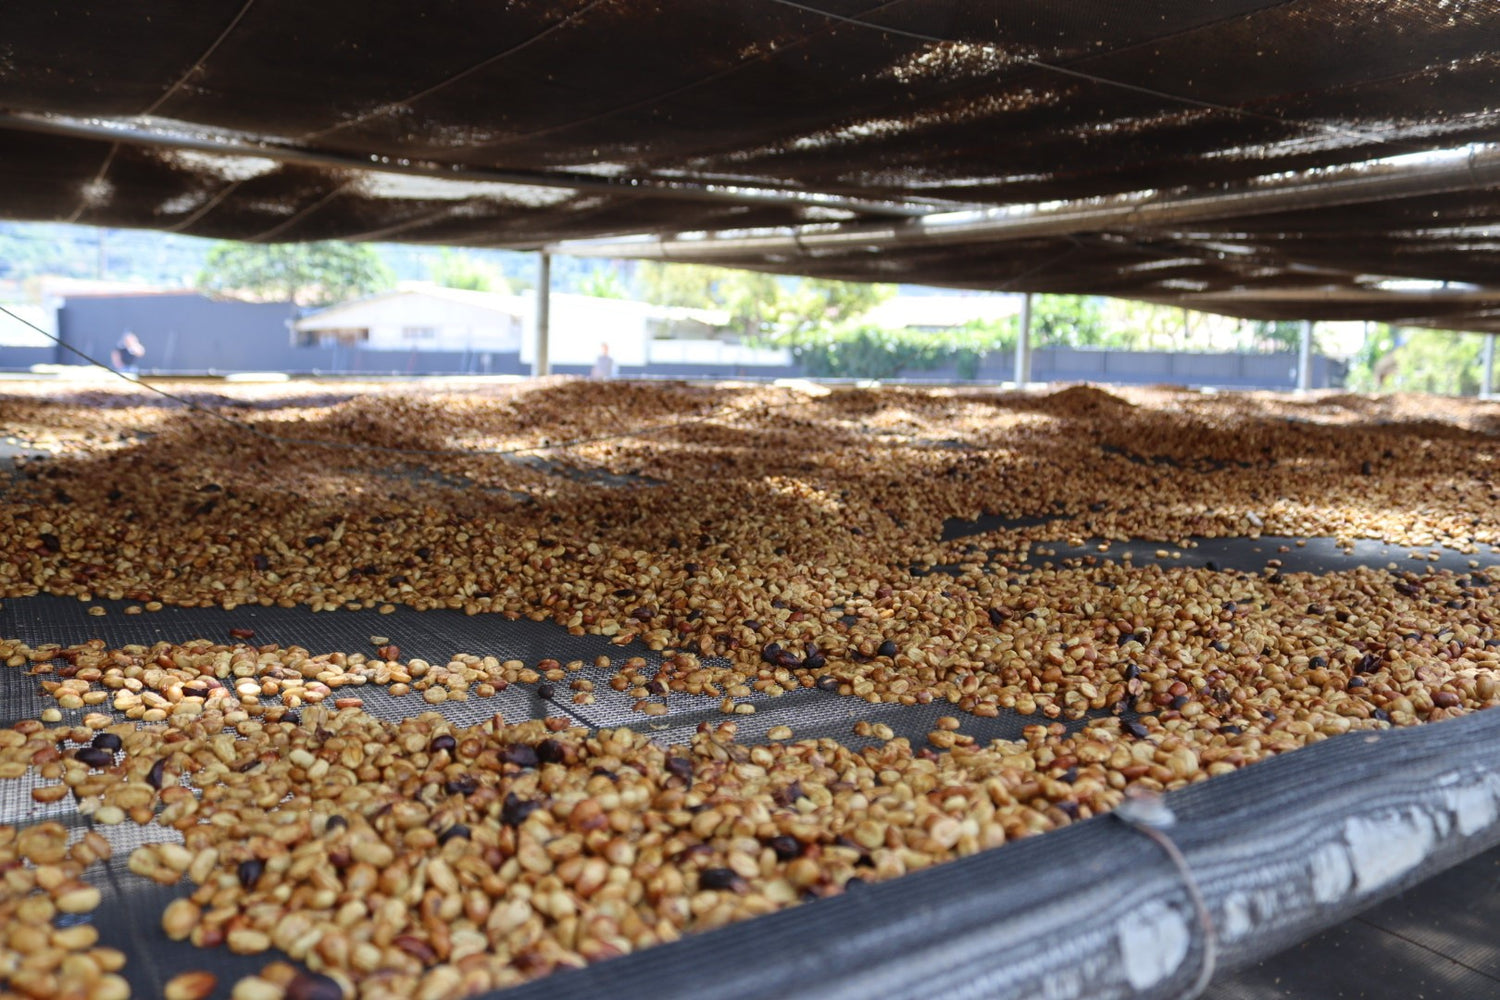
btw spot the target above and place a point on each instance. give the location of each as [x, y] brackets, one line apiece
[1278, 850]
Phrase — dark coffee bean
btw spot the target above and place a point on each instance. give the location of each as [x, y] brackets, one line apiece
[815, 659]
[155, 775]
[788, 794]
[752, 625]
[313, 986]
[456, 830]
[261, 562]
[887, 648]
[50, 542]
[625, 594]
[551, 752]
[515, 810]
[107, 741]
[520, 754]
[1180, 701]
[94, 757]
[720, 878]
[826, 683]
[442, 741]
[1136, 729]
[1366, 469]
[335, 823]
[1268, 715]
[545, 691]
[770, 652]
[1221, 646]
[996, 616]
[1381, 715]
[1211, 566]
[1132, 671]
[293, 717]
[250, 871]
[1368, 664]
[643, 614]
[464, 784]
[1356, 682]
[312, 541]
[786, 847]
[1230, 730]
[680, 767]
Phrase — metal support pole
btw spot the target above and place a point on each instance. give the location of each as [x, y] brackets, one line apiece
[1487, 368]
[1304, 358]
[1023, 344]
[542, 365]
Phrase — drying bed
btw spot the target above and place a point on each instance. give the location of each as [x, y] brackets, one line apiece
[742, 651]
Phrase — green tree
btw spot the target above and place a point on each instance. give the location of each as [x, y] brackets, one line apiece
[1056, 321]
[1069, 321]
[1436, 361]
[305, 273]
[604, 283]
[1373, 364]
[863, 350]
[761, 307]
[1280, 334]
[457, 270]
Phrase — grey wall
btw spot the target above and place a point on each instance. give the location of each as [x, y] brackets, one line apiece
[187, 332]
[1228, 371]
[22, 358]
[194, 333]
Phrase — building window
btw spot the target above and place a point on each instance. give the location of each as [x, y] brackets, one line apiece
[419, 333]
[346, 337]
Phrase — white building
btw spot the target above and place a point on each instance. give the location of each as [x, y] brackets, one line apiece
[430, 319]
[433, 318]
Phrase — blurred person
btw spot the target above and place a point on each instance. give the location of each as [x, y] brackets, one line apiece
[604, 365]
[127, 354]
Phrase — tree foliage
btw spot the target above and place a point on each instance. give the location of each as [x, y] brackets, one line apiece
[762, 307]
[459, 270]
[305, 273]
[603, 283]
[1409, 360]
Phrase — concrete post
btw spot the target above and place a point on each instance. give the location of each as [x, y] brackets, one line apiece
[1304, 358]
[542, 364]
[1487, 368]
[1023, 344]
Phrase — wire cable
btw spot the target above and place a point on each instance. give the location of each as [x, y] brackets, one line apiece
[257, 432]
[1150, 816]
